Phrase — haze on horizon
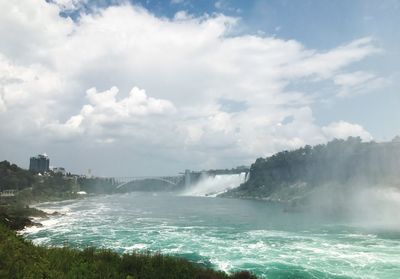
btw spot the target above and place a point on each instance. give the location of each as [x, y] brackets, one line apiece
[156, 87]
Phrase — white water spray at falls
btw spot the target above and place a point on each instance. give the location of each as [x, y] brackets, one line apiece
[211, 186]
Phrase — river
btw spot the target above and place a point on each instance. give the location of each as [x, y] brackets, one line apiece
[226, 234]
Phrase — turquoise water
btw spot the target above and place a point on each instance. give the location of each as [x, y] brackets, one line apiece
[224, 233]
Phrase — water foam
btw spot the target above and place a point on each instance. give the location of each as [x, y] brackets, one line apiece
[211, 186]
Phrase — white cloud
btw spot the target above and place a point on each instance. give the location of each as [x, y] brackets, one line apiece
[186, 64]
[136, 104]
[219, 4]
[358, 82]
[23, 85]
[29, 29]
[70, 4]
[182, 15]
[2, 105]
[325, 65]
[353, 79]
[225, 6]
[106, 117]
[343, 130]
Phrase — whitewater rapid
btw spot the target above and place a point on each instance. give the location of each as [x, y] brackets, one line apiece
[224, 233]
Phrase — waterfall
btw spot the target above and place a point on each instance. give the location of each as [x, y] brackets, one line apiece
[211, 186]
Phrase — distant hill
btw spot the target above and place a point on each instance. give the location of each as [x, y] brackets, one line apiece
[293, 176]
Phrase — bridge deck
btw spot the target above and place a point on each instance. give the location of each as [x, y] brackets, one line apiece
[122, 181]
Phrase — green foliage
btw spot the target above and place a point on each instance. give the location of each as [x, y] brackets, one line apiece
[13, 177]
[48, 187]
[21, 259]
[34, 188]
[338, 162]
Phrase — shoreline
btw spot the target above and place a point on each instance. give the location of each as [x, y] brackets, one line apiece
[36, 221]
[19, 213]
[170, 263]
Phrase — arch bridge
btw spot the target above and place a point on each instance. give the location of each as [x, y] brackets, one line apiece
[123, 181]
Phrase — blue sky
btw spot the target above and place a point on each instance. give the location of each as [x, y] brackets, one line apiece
[316, 23]
[156, 87]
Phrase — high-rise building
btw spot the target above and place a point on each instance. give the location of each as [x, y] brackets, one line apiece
[39, 163]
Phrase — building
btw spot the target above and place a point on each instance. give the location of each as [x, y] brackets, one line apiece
[60, 170]
[89, 173]
[39, 163]
[8, 193]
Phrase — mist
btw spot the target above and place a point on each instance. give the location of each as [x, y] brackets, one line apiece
[374, 207]
[213, 185]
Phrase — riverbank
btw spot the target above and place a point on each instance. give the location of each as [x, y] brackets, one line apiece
[19, 258]
[18, 217]
[18, 212]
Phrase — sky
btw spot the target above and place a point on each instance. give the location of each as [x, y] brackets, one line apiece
[134, 88]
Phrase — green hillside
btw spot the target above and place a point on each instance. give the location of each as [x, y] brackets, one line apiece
[293, 175]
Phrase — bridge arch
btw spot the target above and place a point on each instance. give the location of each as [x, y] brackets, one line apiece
[170, 180]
